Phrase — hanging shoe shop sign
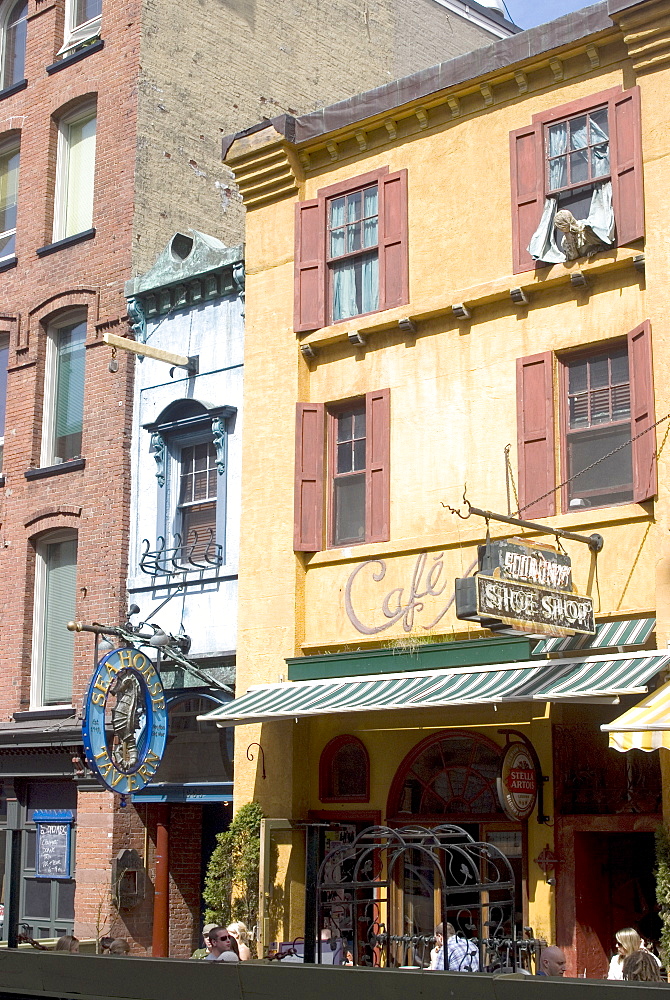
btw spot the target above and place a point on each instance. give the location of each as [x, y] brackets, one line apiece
[522, 587]
[125, 721]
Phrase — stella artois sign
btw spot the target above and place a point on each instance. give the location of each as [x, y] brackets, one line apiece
[517, 782]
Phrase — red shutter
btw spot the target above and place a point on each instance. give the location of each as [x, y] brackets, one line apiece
[535, 434]
[527, 178]
[393, 265]
[310, 265]
[377, 482]
[642, 412]
[309, 450]
[626, 146]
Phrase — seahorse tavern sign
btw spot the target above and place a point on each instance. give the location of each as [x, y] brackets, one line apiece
[524, 588]
[125, 721]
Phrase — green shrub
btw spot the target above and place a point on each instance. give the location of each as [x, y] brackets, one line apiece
[663, 890]
[231, 883]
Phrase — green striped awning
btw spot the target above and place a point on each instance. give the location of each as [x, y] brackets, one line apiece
[631, 632]
[594, 677]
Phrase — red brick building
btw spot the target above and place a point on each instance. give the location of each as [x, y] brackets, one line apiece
[110, 119]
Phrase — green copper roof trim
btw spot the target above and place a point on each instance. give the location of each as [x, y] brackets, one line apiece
[409, 658]
[187, 256]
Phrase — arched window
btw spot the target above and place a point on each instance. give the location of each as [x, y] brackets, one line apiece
[344, 771]
[447, 776]
[189, 445]
[13, 43]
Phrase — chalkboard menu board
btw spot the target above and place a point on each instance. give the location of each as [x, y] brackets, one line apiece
[53, 845]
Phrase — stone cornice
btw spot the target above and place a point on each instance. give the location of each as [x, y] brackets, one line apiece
[646, 33]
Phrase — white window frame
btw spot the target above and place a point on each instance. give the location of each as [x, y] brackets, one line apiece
[39, 612]
[77, 35]
[4, 344]
[171, 514]
[48, 449]
[4, 23]
[78, 117]
[7, 149]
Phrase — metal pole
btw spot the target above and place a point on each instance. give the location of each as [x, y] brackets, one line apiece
[595, 541]
[12, 911]
[160, 945]
[311, 872]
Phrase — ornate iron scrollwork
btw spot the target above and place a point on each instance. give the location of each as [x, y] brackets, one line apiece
[357, 893]
[181, 557]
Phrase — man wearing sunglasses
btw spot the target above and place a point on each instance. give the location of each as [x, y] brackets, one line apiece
[224, 946]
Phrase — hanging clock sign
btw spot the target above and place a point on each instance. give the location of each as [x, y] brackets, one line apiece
[125, 721]
[517, 782]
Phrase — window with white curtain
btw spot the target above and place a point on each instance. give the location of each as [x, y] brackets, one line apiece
[54, 607]
[9, 186]
[13, 43]
[75, 171]
[82, 24]
[353, 257]
[63, 418]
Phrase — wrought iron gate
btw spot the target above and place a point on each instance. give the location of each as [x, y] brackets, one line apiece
[362, 888]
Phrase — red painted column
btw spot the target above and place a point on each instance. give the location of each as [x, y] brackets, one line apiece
[160, 944]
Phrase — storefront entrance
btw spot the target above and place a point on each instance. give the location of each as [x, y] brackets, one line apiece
[614, 889]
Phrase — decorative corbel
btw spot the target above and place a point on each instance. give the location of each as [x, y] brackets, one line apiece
[219, 438]
[158, 451]
[138, 323]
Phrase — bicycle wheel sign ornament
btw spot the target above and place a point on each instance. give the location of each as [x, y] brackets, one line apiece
[517, 782]
[125, 721]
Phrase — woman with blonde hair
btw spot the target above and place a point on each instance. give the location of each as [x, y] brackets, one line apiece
[241, 934]
[627, 941]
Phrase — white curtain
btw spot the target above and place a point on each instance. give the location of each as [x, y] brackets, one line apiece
[547, 242]
[356, 279]
[80, 174]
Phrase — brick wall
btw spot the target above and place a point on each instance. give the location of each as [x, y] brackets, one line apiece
[198, 83]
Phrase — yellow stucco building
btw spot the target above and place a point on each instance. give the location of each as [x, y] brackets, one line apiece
[404, 348]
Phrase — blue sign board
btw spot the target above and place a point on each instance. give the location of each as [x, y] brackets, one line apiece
[125, 721]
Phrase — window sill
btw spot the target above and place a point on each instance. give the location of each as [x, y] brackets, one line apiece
[76, 56]
[531, 282]
[35, 714]
[14, 89]
[69, 241]
[55, 470]
[8, 264]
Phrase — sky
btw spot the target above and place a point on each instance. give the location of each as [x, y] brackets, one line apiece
[528, 13]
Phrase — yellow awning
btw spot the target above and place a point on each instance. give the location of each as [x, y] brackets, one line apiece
[645, 727]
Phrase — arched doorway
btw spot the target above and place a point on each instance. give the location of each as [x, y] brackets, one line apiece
[450, 777]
